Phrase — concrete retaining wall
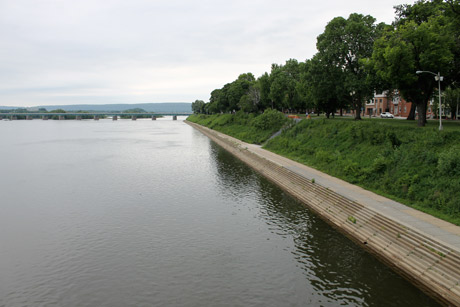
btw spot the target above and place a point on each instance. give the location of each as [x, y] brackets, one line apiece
[429, 264]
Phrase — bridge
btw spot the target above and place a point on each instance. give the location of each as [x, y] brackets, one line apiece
[93, 115]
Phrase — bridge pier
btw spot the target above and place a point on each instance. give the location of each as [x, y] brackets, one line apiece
[78, 117]
[114, 117]
[1, 117]
[133, 117]
[61, 117]
[44, 117]
[14, 118]
[96, 117]
[174, 117]
[154, 117]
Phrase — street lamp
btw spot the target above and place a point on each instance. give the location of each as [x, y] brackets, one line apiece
[438, 78]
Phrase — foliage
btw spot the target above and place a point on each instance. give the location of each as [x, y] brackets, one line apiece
[284, 79]
[247, 127]
[326, 86]
[198, 107]
[449, 162]
[270, 120]
[343, 45]
[452, 98]
[419, 167]
[355, 58]
[420, 40]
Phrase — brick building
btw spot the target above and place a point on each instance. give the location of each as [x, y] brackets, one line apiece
[394, 104]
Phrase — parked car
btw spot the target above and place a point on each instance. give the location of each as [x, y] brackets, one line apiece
[386, 115]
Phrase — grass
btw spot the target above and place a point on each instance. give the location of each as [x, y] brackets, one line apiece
[416, 166]
[250, 128]
[419, 167]
[352, 219]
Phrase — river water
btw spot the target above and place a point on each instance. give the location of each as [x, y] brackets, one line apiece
[152, 213]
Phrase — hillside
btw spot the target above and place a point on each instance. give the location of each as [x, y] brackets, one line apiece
[419, 167]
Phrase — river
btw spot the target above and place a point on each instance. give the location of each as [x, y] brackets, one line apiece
[152, 213]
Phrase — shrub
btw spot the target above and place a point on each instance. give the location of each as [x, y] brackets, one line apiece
[269, 120]
[449, 161]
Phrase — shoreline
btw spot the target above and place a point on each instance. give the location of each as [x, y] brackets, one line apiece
[421, 248]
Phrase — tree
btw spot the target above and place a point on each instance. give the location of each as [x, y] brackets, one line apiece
[263, 84]
[198, 107]
[345, 44]
[304, 86]
[238, 89]
[283, 83]
[409, 46]
[215, 104]
[326, 85]
[452, 98]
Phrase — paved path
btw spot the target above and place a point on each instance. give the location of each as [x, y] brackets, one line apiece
[422, 248]
[425, 223]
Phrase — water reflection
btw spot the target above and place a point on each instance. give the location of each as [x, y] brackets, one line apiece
[337, 272]
[149, 213]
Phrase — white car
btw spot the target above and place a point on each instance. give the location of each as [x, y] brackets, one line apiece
[386, 115]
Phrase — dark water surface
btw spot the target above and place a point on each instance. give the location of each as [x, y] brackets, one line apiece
[151, 213]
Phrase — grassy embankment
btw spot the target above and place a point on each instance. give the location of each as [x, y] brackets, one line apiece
[419, 167]
[246, 127]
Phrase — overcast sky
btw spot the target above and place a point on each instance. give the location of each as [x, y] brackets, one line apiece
[120, 51]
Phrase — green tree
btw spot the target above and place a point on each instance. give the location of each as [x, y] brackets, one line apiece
[283, 83]
[215, 104]
[238, 89]
[409, 46]
[345, 44]
[328, 86]
[264, 83]
[452, 99]
[198, 107]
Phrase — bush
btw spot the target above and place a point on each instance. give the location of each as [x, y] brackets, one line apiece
[449, 161]
[413, 165]
[269, 120]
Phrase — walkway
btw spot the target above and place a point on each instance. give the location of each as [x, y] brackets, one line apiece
[422, 248]
[431, 226]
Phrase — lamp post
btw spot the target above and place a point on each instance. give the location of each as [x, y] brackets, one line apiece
[438, 78]
[352, 102]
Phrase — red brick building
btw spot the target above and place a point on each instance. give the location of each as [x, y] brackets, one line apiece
[394, 104]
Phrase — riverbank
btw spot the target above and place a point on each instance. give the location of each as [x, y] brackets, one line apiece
[420, 247]
[418, 167]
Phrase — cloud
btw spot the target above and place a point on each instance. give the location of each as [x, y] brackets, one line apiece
[113, 51]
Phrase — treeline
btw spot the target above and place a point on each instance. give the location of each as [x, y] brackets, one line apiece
[355, 58]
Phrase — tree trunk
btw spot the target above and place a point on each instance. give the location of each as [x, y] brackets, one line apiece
[358, 109]
[421, 109]
[412, 112]
[341, 112]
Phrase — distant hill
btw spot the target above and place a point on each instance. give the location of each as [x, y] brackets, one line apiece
[173, 107]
